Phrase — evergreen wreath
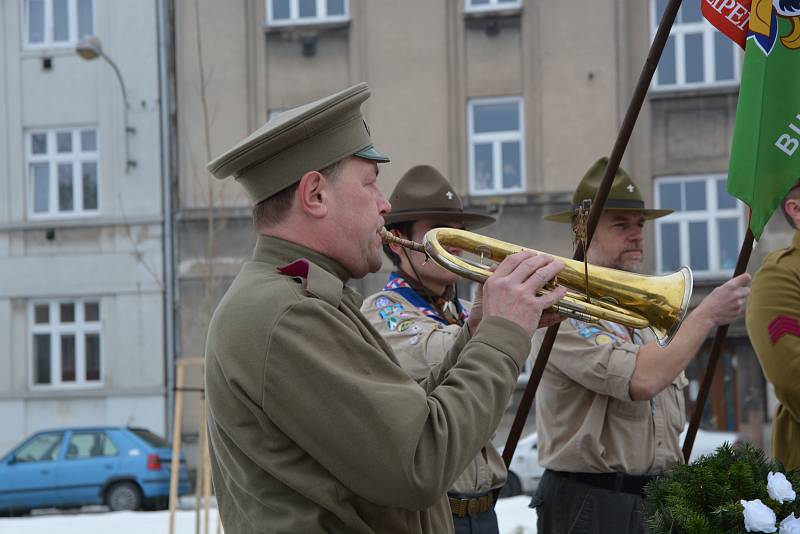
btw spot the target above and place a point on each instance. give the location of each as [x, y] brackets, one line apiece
[705, 496]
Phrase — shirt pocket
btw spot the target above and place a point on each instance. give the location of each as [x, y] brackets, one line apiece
[677, 415]
[631, 410]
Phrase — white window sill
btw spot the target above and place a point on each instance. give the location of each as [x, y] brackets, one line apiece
[665, 93]
[294, 26]
[493, 11]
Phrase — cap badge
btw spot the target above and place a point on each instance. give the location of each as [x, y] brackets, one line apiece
[449, 195]
[630, 188]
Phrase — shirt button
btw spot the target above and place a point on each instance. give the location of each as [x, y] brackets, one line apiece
[659, 443]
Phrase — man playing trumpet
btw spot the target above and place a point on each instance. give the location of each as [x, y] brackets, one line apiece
[313, 425]
[610, 406]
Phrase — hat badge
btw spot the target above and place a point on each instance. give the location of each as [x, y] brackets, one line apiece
[630, 188]
[449, 195]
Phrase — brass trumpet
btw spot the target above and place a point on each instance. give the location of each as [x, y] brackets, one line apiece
[634, 300]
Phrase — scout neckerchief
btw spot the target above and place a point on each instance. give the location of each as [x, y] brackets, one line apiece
[435, 307]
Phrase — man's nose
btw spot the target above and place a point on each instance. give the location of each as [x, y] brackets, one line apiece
[384, 206]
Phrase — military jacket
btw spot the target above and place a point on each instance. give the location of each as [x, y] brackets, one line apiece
[313, 425]
[585, 418]
[421, 342]
[773, 323]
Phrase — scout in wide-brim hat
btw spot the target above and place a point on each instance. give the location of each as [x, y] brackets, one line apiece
[624, 194]
[423, 193]
[303, 139]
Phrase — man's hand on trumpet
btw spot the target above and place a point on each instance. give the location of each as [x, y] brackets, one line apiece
[512, 292]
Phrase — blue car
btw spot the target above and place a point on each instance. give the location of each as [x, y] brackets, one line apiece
[123, 468]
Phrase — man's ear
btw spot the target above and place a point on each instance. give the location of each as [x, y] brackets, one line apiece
[312, 194]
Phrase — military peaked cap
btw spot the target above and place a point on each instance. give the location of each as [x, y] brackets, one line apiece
[307, 138]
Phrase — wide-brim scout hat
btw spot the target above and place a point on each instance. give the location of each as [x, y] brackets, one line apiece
[307, 138]
[423, 193]
[624, 194]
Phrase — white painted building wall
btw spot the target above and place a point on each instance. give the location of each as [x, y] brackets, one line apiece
[112, 257]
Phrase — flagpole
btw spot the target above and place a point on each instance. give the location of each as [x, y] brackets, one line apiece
[716, 349]
[625, 131]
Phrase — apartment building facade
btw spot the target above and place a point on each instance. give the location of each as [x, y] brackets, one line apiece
[81, 216]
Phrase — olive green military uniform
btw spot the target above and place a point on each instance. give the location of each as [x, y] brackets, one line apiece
[773, 323]
[598, 446]
[313, 425]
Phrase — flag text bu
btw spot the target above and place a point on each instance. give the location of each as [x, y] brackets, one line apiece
[786, 142]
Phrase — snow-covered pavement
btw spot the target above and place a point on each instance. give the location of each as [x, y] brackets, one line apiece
[513, 514]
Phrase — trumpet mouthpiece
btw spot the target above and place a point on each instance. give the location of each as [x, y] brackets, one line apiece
[388, 238]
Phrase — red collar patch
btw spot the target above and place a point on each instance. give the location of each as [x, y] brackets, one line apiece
[783, 324]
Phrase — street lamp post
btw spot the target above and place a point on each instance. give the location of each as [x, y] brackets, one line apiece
[89, 48]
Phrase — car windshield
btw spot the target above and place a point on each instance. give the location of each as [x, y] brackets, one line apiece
[151, 439]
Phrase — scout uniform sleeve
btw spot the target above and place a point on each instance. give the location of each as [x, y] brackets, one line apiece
[400, 446]
[773, 323]
[594, 358]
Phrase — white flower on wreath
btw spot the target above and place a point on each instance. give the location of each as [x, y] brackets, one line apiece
[790, 525]
[779, 488]
[758, 517]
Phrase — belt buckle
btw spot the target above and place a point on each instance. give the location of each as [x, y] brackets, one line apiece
[474, 507]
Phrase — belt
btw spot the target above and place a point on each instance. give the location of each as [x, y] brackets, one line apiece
[611, 481]
[472, 507]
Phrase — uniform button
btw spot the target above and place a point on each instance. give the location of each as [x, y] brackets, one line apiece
[659, 443]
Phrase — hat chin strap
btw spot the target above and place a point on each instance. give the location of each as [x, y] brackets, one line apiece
[421, 280]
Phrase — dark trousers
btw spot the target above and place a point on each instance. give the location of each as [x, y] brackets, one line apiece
[566, 506]
[486, 523]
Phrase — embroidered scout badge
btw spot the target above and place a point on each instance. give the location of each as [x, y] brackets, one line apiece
[382, 302]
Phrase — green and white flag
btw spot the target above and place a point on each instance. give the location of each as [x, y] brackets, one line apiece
[765, 153]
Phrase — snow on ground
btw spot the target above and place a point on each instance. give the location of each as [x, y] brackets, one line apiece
[513, 515]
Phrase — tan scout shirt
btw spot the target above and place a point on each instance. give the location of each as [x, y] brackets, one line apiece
[313, 425]
[420, 342]
[773, 323]
[585, 418]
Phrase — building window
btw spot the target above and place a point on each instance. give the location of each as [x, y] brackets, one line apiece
[65, 343]
[50, 23]
[63, 172]
[496, 146]
[706, 230]
[696, 54]
[293, 12]
[472, 6]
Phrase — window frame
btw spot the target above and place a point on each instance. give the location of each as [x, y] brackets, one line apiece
[79, 328]
[53, 158]
[49, 25]
[493, 5]
[679, 31]
[496, 139]
[74, 433]
[711, 216]
[295, 19]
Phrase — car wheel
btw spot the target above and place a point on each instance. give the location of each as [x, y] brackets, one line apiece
[123, 496]
[513, 486]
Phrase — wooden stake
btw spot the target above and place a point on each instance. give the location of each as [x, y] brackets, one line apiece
[176, 446]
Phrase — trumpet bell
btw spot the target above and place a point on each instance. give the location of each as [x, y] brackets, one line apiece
[634, 300]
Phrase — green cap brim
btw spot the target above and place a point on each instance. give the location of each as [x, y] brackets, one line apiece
[372, 153]
[566, 216]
